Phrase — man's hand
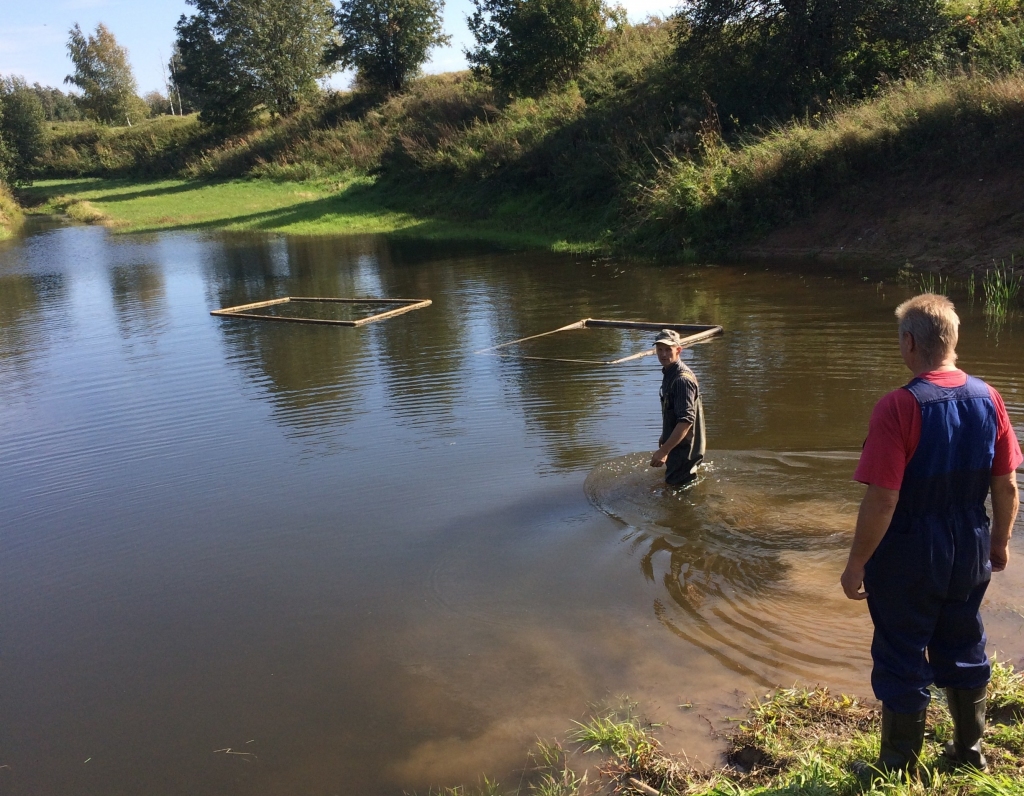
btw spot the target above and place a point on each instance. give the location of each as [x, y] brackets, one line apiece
[999, 557]
[1005, 502]
[678, 435]
[876, 510]
[852, 580]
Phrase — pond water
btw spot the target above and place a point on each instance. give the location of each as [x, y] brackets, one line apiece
[245, 557]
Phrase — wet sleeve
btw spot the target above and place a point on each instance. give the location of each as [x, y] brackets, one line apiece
[684, 400]
[1008, 455]
[893, 434]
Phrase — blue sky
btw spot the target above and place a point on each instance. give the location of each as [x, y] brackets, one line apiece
[33, 34]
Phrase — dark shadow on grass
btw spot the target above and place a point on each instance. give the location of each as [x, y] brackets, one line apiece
[150, 192]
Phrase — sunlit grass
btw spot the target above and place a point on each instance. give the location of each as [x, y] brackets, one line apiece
[297, 208]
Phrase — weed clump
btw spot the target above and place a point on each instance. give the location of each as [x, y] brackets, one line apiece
[1001, 286]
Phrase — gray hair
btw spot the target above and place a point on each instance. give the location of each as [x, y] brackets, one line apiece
[933, 323]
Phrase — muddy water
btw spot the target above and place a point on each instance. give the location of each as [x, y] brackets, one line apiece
[246, 557]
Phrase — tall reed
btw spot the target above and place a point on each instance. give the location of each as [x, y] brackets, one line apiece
[1002, 287]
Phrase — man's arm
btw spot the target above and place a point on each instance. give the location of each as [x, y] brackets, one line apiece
[678, 435]
[876, 510]
[1005, 502]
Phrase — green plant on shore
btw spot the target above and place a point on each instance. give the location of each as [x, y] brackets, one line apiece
[1001, 286]
[971, 287]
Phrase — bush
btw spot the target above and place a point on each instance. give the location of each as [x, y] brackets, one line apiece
[21, 130]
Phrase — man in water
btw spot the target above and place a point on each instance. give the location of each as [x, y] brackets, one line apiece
[924, 550]
[681, 445]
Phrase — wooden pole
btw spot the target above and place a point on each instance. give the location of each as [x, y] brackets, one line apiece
[241, 311]
[696, 333]
[577, 325]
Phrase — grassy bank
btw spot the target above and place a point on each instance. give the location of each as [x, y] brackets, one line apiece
[11, 216]
[959, 126]
[794, 741]
[297, 208]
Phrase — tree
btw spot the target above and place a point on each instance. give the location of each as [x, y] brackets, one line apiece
[6, 156]
[21, 129]
[158, 104]
[102, 71]
[773, 58]
[232, 56]
[525, 46]
[387, 41]
[57, 106]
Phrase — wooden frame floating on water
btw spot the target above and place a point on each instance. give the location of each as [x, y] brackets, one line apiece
[244, 310]
[690, 332]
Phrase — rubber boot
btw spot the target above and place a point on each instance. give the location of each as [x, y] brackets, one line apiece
[967, 707]
[902, 740]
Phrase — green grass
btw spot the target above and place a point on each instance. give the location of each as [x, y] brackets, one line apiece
[297, 208]
[794, 742]
[1001, 286]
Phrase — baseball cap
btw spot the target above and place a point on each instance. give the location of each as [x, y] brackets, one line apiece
[668, 337]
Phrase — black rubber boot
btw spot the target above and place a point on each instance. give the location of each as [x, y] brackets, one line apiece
[967, 707]
[902, 740]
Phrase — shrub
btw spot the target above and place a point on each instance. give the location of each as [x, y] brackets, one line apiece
[21, 130]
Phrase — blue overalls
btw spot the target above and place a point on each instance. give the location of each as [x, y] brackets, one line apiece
[926, 580]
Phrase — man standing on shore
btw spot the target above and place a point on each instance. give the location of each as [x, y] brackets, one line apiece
[924, 549]
[681, 445]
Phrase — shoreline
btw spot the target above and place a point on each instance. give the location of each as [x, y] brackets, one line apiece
[792, 740]
[832, 234]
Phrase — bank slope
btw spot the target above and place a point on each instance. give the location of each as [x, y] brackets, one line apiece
[11, 216]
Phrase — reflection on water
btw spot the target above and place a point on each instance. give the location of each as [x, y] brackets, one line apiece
[390, 563]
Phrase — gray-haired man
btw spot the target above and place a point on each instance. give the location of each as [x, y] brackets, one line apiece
[681, 446]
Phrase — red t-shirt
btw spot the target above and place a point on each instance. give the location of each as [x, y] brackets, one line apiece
[895, 430]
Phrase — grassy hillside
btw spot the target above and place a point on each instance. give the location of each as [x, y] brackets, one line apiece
[10, 213]
[618, 158]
